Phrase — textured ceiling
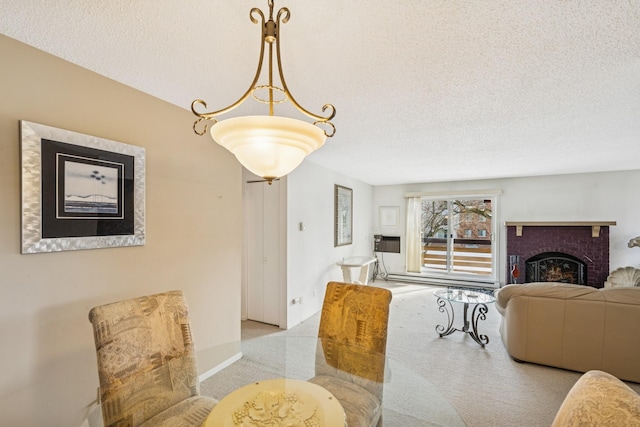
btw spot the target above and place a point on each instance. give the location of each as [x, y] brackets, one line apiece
[425, 90]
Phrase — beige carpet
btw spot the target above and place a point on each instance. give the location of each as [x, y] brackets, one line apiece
[484, 385]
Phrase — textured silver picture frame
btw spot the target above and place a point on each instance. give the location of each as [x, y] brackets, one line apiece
[48, 148]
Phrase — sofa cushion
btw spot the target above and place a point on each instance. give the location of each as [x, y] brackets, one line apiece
[626, 295]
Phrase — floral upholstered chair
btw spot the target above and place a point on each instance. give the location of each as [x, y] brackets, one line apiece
[146, 363]
[350, 358]
[599, 399]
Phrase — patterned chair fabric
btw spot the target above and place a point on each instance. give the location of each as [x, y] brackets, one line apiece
[350, 358]
[146, 363]
[599, 399]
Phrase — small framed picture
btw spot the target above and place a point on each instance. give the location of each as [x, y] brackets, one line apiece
[343, 216]
[388, 216]
[79, 191]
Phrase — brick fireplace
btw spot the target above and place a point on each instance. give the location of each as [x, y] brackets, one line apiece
[569, 252]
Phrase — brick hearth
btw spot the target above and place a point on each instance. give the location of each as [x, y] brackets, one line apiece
[574, 240]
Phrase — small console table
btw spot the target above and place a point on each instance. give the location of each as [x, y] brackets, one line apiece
[479, 301]
[363, 262]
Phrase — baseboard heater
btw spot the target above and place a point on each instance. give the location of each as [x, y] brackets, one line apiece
[412, 278]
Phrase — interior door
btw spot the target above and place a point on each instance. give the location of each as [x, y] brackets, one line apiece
[263, 252]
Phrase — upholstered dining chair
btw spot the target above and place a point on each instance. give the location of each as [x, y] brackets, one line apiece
[146, 363]
[350, 358]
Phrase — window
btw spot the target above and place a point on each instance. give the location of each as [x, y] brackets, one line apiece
[441, 234]
[449, 246]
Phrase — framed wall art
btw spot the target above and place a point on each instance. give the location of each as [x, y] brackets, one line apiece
[79, 191]
[388, 216]
[343, 215]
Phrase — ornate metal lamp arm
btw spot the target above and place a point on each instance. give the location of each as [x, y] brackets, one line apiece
[270, 35]
[318, 118]
[211, 115]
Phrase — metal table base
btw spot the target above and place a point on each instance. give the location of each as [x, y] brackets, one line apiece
[478, 313]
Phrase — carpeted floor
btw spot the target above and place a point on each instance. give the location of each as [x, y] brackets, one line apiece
[484, 385]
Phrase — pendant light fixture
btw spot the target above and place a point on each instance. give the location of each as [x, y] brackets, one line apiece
[270, 146]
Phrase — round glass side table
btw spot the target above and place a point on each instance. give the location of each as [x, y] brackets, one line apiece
[477, 300]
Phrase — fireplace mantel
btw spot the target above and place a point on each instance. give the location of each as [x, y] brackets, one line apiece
[595, 225]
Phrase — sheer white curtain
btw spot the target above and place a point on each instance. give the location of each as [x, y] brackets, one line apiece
[414, 249]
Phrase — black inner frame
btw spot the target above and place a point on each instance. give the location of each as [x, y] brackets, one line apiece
[84, 225]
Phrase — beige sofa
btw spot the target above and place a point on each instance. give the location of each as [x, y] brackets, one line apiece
[573, 327]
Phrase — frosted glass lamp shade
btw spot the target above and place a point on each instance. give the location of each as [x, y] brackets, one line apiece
[269, 146]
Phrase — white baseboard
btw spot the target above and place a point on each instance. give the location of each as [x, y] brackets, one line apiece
[220, 367]
[441, 281]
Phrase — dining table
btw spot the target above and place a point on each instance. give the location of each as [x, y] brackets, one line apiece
[270, 381]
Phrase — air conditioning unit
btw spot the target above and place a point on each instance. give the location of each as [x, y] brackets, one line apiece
[386, 243]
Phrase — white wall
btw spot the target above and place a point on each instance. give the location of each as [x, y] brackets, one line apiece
[193, 230]
[611, 196]
[312, 257]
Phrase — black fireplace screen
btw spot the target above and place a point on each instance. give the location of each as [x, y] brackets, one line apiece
[555, 267]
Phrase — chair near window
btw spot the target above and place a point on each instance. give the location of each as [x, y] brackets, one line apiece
[146, 363]
[350, 357]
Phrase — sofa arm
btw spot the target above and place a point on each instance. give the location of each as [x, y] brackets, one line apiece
[598, 399]
[502, 296]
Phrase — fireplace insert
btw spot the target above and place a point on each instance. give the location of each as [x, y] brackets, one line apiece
[555, 267]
